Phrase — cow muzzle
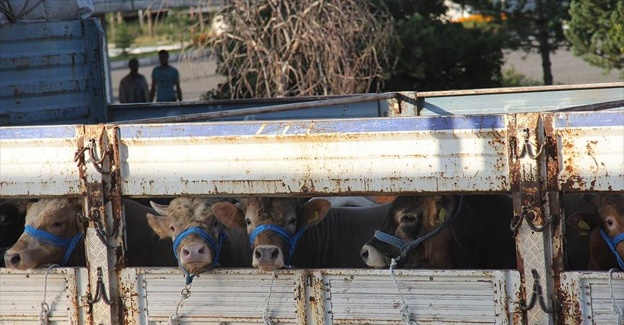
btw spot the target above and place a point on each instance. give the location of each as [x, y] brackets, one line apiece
[373, 257]
[268, 258]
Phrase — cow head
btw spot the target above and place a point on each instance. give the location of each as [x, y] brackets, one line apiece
[52, 230]
[412, 220]
[197, 235]
[610, 213]
[274, 226]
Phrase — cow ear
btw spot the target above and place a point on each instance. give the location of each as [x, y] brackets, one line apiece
[159, 224]
[229, 214]
[161, 209]
[314, 211]
[583, 222]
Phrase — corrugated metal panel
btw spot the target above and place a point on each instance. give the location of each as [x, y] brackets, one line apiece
[238, 296]
[591, 151]
[517, 100]
[21, 295]
[594, 297]
[232, 296]
[433, 297]
[382, 155]
[52, 73]
[38, 161]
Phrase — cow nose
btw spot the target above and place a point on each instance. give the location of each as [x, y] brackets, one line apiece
[267, 253]
[190, 253]
[12, 260]
[364, 253]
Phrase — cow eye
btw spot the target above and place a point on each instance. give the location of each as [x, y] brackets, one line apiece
[57, 224]
[408, 218]
[4, 219]
[292, 221]
[247, 221]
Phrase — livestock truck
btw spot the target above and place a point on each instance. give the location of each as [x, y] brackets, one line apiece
[61, 138]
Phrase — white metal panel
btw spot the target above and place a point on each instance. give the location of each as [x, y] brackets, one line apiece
[233, 296]
[384, 155]
[433, 297]
[38, 161]
[591, 154]
[22, 292]
[592, 292]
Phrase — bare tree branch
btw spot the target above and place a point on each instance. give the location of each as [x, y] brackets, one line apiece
[277, 48]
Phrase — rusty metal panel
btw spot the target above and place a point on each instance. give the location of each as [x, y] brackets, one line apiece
[517, 99]
[593, 293]
[52, 73]
[355, 156]
[38, 161]
[432, 296]
[591, 150]
[231, 296]
[22, 293]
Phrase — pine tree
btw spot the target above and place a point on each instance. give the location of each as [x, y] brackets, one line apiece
[596, 31]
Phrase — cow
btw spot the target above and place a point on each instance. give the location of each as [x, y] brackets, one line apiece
[605, 226]
[444, 232]
[286, 232]
[12, 218]
[200, 240]
[53, 234]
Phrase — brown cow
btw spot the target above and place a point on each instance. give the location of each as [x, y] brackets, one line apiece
[447, 232]
[606, 230]
[54, 235]
[286, 232]
[201, 241]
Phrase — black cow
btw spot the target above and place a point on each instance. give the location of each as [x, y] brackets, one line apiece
[446, 232]
[12, 217]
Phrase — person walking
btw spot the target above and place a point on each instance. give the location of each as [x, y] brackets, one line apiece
[165, 81]
[133, 87]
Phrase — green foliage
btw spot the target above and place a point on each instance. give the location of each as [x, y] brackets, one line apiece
[437, 55]
[511, 78]
[123, 38]
[596, 32]
[532, 25]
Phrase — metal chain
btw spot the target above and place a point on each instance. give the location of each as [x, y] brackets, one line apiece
[100, 291]
[45, 308]
[265, 314]
[617, 311]
[538, 295]
[174, 319]
[405, 307]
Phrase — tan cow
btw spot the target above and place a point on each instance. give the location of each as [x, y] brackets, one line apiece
[200, 240]
[287, 232]
[53, 234]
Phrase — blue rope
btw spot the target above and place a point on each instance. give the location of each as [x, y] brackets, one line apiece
[291, 240]
[204, 235]
[43, 236]
[612, 243]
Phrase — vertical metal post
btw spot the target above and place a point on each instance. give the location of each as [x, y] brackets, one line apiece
[102, 209]
[532, 212]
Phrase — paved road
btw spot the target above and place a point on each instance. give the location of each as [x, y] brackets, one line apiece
[198, 75]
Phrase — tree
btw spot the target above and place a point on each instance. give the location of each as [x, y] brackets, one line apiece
[306, 47]
[439, 55]
[532, 25]
[596, 31]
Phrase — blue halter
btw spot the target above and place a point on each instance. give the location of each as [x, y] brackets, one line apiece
[291, 240]
[51, 239]
[612, 243]
[405, 246]
[202, 233]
